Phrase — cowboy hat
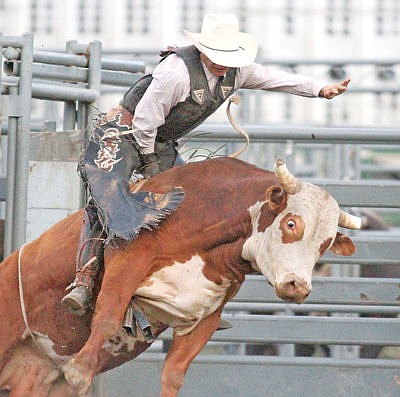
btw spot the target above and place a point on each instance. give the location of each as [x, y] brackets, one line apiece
[221, 41]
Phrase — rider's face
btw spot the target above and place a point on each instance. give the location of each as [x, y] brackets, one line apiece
[214, 68]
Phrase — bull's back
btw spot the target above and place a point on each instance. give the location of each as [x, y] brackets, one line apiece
[215, 188]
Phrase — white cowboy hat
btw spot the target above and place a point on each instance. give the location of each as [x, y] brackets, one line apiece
[221, 41]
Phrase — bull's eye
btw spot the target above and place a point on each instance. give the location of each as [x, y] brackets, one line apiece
[291, 224]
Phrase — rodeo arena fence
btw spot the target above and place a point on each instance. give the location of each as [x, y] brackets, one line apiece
[344, 341]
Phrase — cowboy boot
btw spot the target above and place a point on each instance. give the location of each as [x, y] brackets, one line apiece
[88, 261]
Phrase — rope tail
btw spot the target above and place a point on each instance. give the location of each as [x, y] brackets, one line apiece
[23, 309]
[235, 99]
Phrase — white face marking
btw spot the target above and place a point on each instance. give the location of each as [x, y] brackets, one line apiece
[273, 258]
[180, 295]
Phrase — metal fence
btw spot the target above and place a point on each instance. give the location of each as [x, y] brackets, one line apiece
[73, 77]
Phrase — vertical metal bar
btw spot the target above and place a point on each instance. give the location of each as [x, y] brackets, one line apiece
[1, 69]
[11, 160]
[82, 118]
[23, 137]
[18, 151]
[94, 77]
[86, 112]
[69, 118]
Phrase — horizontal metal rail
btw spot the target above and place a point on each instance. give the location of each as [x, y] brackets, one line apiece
[256, 328]
[57, 92]
[364, 193]
[269, 133]
[308, 308]
[61, 58]
[329, 290]
[64, 73]
[255, 376]
[371, 250]
[275, 61]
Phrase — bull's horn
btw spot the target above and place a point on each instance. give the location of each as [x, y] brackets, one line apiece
[289, 183]
[349, 221]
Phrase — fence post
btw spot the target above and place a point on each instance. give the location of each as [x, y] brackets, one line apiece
[18, 104]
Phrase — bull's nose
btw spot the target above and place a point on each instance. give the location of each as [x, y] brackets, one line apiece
[293, 288]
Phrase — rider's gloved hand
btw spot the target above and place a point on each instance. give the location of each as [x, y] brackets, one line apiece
[150, 165]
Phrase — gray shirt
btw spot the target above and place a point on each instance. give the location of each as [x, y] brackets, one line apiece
[171, 85]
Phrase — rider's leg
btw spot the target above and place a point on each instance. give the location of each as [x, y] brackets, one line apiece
[88, 262]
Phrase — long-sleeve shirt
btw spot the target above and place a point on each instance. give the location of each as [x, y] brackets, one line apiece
[171, 85]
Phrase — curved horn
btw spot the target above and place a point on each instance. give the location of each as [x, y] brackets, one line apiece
[287, 180]
[349, 221]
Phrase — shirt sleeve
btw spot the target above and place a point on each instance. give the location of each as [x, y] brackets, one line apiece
[170, 85]
[256, 76]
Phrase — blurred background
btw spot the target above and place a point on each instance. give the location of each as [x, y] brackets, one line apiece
[358, 39]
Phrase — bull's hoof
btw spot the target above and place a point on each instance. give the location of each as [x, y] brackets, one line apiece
[75, 377]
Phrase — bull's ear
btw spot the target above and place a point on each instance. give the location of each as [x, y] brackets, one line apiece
[276, 197]
[343, 245]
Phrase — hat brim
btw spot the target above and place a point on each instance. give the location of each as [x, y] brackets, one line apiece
[243, 56]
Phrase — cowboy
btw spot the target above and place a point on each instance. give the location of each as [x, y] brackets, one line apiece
[140, 134]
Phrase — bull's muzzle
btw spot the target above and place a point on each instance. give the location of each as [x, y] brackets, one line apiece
[293, 288]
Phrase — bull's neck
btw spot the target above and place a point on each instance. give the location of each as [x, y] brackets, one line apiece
[229, 230]
[231, 233]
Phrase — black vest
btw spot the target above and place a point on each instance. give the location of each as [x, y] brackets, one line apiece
[201, 103]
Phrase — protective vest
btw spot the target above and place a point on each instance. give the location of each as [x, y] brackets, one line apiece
[201, 103]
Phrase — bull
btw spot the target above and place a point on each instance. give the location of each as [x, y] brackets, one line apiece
[236, 219]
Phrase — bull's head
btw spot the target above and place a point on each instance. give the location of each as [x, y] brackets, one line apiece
[291, 229]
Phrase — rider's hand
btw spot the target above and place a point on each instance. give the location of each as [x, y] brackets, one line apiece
[330, 91]
[150, 165]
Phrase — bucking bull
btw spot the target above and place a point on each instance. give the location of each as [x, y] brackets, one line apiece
[235, 219]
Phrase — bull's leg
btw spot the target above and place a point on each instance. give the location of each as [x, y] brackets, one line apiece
[121, 279]
[182, 352]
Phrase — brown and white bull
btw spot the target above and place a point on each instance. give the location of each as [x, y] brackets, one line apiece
[235, 219]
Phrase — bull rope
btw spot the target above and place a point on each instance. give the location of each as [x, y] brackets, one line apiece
[235, 99]
[23, 309]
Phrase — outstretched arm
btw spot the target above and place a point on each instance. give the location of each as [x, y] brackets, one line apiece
[332, 90]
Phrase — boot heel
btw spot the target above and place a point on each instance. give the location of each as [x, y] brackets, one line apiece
[76, 302]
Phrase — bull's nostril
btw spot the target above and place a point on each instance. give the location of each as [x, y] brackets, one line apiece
[291, 286]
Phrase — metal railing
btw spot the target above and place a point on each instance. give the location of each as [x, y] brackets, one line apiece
[74, 77]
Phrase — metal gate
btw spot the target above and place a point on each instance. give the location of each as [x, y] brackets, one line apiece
[259, 356]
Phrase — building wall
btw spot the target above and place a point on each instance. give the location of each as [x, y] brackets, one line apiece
[285, 29]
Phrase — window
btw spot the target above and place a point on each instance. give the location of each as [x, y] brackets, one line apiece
[289, 16]
[338, 20]
[89, 20]
[42, 16]
[387, 17]
[192, 14]
[137, 16]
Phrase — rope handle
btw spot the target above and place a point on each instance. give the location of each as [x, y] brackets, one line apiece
[236, 99]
